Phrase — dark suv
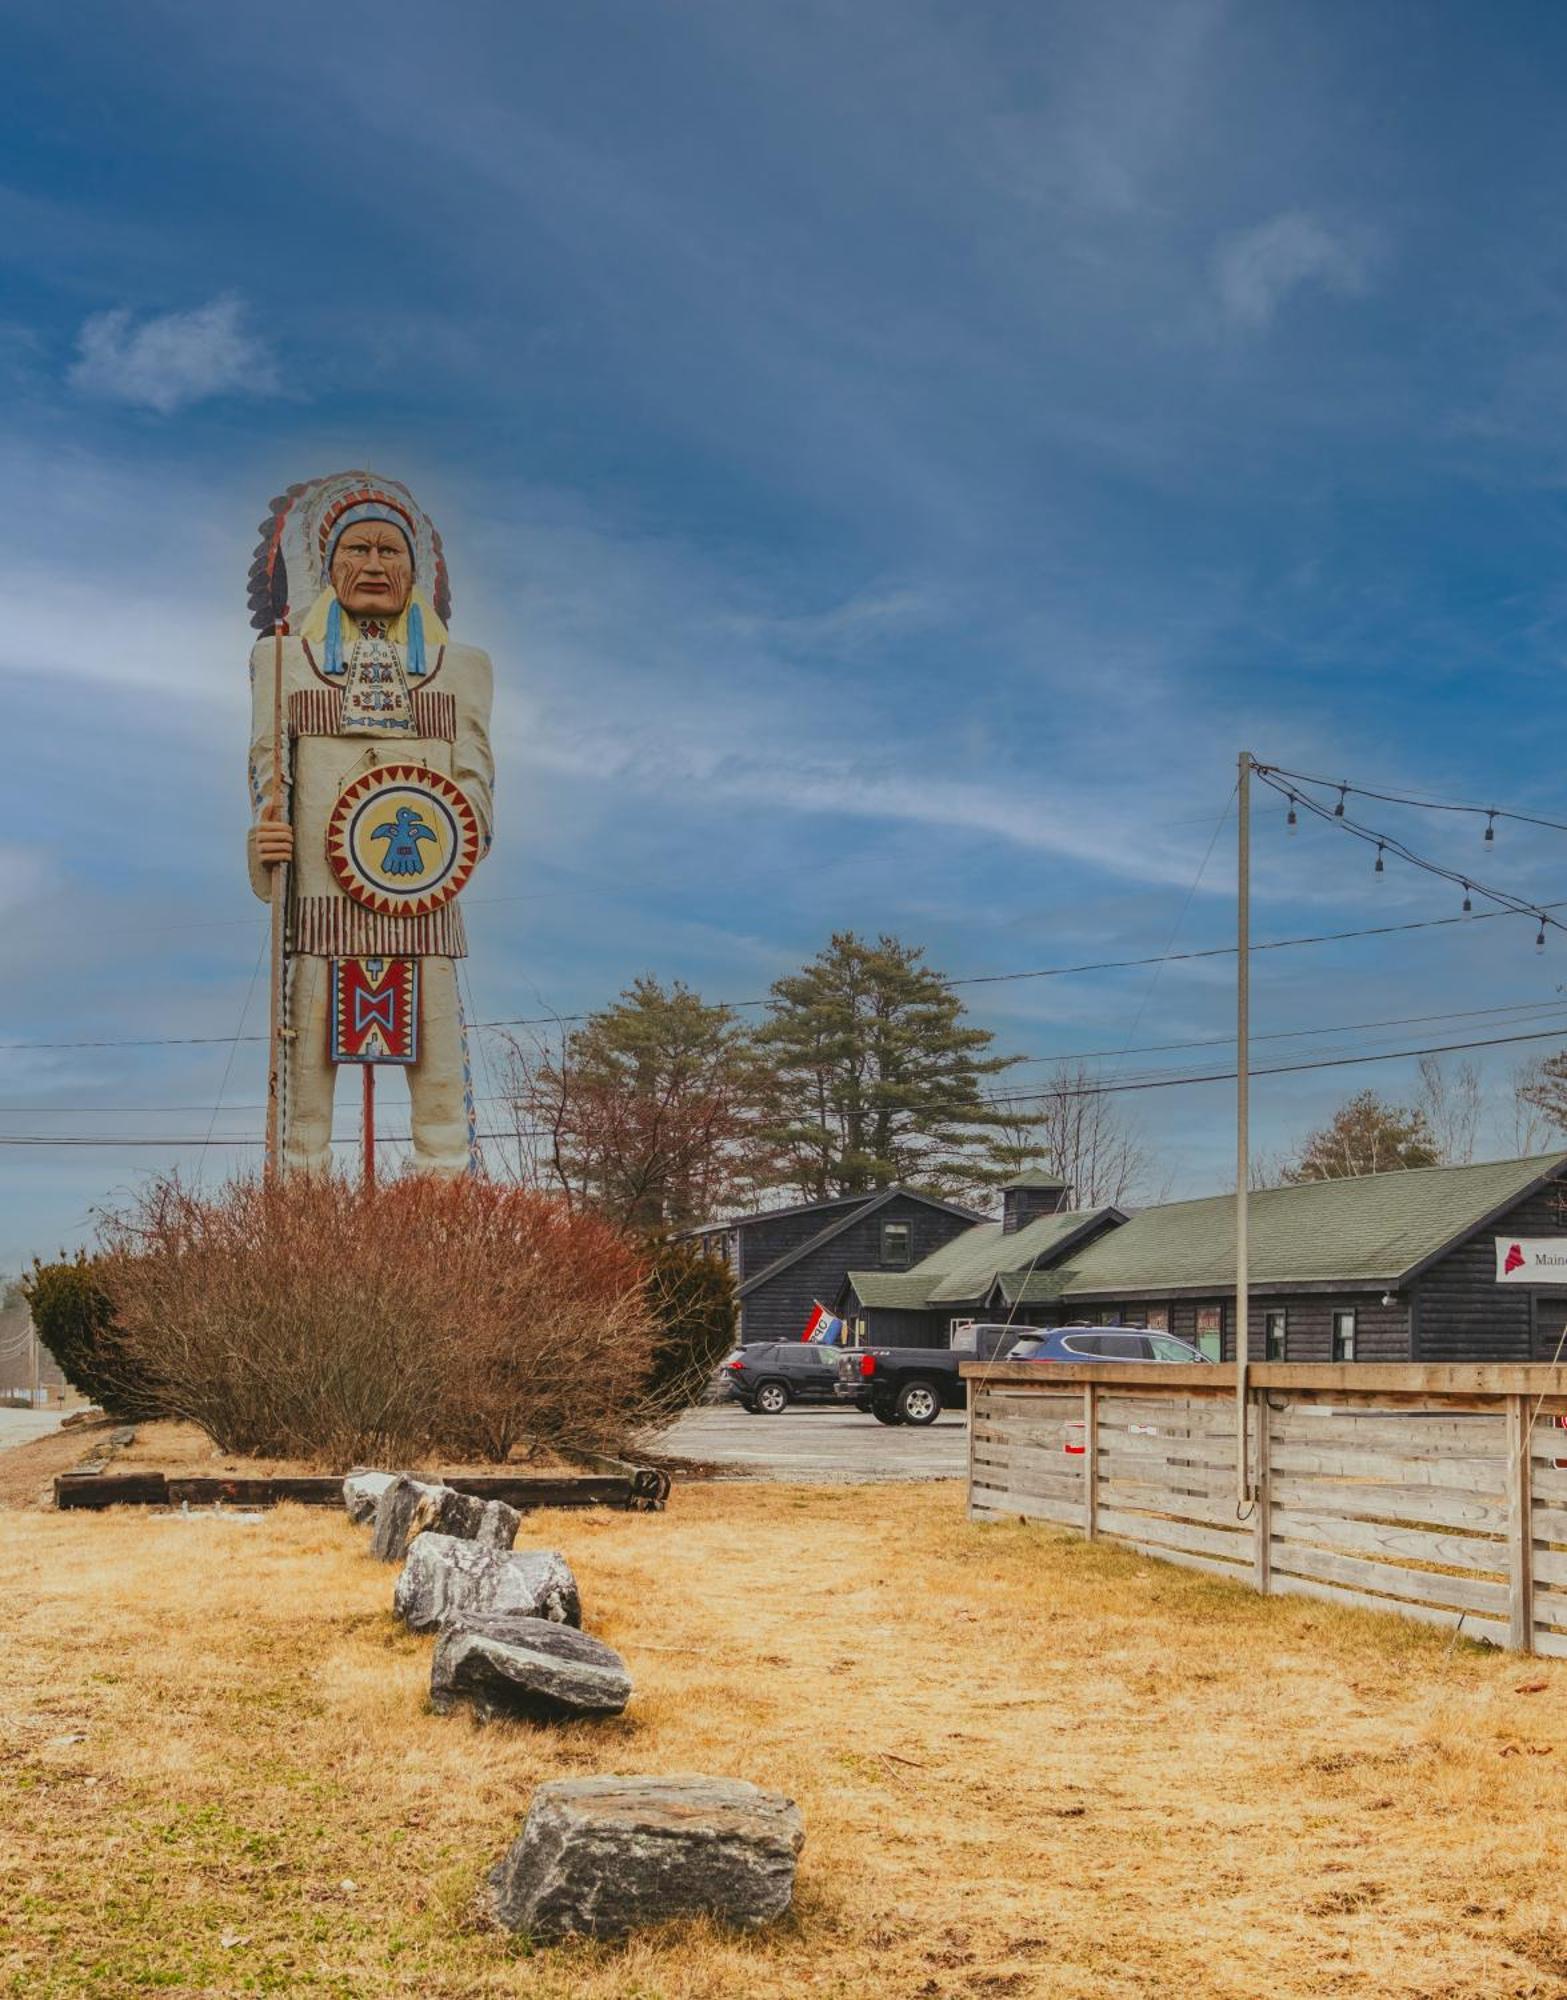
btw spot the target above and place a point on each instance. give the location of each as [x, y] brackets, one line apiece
[765, 1377]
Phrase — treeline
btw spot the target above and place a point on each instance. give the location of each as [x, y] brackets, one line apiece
[665, 1110]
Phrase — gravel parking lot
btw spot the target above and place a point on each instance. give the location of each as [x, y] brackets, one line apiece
[821, 1447]
[17, 1426]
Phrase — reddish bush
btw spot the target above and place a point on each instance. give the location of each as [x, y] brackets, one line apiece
[312, 1318]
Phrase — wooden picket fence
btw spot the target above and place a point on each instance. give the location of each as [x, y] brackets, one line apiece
[1435, 1492]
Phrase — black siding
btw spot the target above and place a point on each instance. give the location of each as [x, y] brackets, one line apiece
[779, 1308]
[1462, 1313]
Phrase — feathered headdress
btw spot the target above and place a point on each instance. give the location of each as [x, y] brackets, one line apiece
[291, 566]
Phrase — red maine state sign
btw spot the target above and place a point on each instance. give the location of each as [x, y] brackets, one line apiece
[1531, 1260]
[375, 1010]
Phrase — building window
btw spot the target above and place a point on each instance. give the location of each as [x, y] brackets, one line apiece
[896, 1245]
[1273, 1333]
[1157, 1319]
[1210, 1331]
[1344, 1335]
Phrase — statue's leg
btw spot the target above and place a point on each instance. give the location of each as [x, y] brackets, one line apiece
[435, 1081]
[312, 1077]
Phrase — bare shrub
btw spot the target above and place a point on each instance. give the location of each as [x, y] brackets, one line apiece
[312, 1318]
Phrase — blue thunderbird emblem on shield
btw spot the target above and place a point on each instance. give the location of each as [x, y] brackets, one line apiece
[404, 834]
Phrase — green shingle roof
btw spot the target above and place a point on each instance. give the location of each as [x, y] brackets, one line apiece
[890, 1288]
[962, 1272]
[1373, 1229]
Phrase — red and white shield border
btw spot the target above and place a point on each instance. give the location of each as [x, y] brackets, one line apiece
[418, 777]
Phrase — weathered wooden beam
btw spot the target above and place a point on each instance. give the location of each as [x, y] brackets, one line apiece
[1520, 1527]
[645, 1491]
[1382, 1378]
[111, 1489]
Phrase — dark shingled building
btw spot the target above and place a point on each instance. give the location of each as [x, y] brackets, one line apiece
[1388, 1267]
[785, 1260]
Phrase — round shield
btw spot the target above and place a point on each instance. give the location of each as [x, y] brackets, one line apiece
[402, 839]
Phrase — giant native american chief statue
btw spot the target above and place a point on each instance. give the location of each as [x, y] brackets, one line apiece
[370, 784]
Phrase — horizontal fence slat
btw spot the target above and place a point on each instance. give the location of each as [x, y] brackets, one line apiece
[1550, 1524]
[1470, 1475]
[1550, 1606]
[1424, 1614]
[1359, 1500]
[1163, 1451]
[1064, 1488]
[1032, 1506]
[1398, 1435]
[1216, 1510]
[1377, 1538]
[1460, 1593]
[1177, 1534]
[1188, 1559]
[1549, 1565]
[1027, 1437]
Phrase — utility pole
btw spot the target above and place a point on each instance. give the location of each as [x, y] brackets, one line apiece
[32, 1362]
[1242, 1114]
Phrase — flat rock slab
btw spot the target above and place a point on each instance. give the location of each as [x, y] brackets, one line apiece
[604, 1856]
[412, 1507]
[362, 1489]
[504, 1665]
[445, 1577]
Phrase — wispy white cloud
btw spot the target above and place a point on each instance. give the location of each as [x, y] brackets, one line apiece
[172, 360]
[1256, 270]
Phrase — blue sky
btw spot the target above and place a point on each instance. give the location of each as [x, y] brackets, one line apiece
[896, 455]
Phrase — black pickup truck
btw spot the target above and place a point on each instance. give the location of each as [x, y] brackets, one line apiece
[913, 1385]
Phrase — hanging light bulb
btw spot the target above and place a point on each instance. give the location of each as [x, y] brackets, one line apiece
[1539, 943]
[1380, 868]
[1338, 810]
[1291, 823]
[1490, 826]
[1468, 905]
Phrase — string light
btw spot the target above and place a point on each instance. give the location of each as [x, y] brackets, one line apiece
[1505, 901]
[1291, 823]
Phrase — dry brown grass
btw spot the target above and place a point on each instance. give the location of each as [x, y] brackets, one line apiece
[1028, 1767]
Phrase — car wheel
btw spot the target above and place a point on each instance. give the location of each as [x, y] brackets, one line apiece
[772, 1399]
[919, 1402]
[885, 1414]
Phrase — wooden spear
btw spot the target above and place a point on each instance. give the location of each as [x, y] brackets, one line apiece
[279, 918]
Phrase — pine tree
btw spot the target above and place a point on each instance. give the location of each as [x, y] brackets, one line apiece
[875, 1076]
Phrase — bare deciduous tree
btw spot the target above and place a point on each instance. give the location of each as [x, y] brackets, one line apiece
[1539, 1102]
[1079, 1132]
[1451, 1105]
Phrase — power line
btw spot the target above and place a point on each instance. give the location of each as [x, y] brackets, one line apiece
[972, 979]
[1152, 1082]
[1515, 1010]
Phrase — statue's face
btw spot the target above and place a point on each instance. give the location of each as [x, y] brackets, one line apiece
[372, 570]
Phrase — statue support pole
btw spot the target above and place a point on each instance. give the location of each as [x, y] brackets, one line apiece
[279, 907]
[369, 1124]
